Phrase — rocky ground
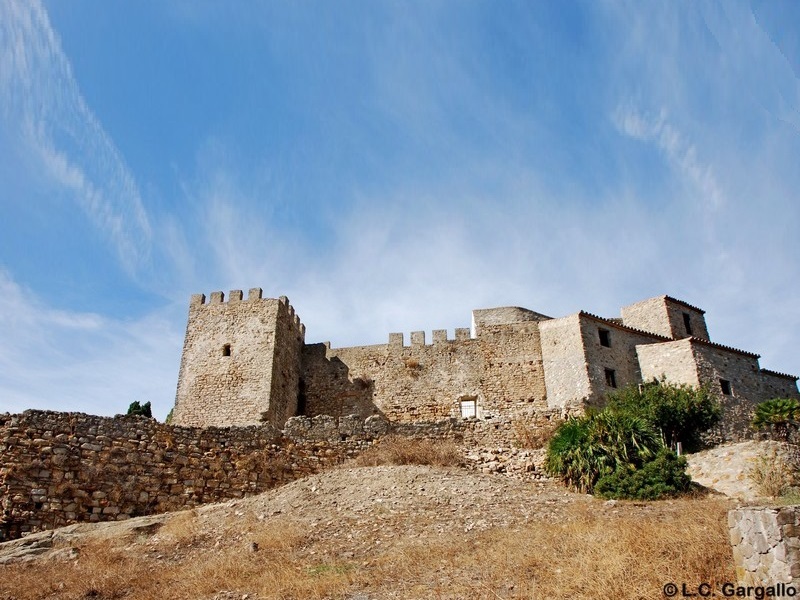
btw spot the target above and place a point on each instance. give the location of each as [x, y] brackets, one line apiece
[359, 516]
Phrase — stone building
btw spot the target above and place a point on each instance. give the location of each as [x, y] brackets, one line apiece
[246, 362]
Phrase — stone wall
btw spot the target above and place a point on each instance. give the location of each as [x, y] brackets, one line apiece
[663, 315]
[61, 468]
[766, 545]
[673, 360]
[741, 371]
[501, 370]
[619, 357]
[778, 385]
[564, 361]
[240, 361]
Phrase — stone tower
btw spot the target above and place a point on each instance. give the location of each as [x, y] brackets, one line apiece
[240, 363]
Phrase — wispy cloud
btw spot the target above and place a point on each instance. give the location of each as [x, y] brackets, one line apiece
[81, 361]
[680, 153]
[44, 106]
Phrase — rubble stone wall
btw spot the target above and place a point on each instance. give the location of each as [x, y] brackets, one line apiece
[240, 363]
[501, 370]
[61, 468]
[766, 545]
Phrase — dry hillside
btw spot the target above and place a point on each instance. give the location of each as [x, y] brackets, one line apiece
[384, 532]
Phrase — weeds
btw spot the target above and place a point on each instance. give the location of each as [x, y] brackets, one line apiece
[592, 553]
[405, 451]
[774, 474]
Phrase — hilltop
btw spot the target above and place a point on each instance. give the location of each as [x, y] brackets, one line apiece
[385, 532]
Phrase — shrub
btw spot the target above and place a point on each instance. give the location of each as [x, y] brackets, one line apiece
[680, 413]
[404, 451]
[585, 449]
[143, 410]
[780, 415]
[663, 476]
[626, 445]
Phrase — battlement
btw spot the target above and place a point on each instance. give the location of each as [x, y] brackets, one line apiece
[254, 295]
[246, 361]
[438, 336]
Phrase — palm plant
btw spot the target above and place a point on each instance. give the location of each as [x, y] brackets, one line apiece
[779, 414]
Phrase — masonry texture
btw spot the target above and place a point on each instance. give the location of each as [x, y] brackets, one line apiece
[240, 362]
[246, 362]
[63, 468]
[766, 545]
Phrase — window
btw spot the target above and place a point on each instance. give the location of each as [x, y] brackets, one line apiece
[468, 408]
[226, 350]
[605, 337]
[611, 378]
[725, 385]
[687, 323]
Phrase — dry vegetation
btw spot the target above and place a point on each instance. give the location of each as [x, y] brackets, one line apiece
[394, 450]
[566, 546]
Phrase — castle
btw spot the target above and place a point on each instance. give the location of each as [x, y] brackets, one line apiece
[245, 362]
[257, 407]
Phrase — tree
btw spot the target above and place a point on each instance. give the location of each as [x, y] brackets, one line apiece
[142, 410]
[680, 413]
[779, 414]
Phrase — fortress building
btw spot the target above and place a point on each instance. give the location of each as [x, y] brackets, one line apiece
[245, 362]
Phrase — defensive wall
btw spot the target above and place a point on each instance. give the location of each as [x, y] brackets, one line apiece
[241, 361]
[494, 376]
[245, 362]
[63, 468]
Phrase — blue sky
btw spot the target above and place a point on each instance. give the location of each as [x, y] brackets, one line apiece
[389, 166]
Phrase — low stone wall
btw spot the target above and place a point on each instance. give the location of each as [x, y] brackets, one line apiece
[766, 545]
[61, 468]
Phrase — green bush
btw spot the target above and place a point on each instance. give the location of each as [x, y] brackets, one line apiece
[584, 449]
[680, 413]
[143, 410]
[626, 445]
[779, 414]
[662, 477]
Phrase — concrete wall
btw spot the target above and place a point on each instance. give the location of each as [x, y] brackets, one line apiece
[240, 361]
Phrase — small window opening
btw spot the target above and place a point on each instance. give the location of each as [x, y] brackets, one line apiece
[725, 385]
[611, 378]
[226, 350]
[468, 408]
[605, 338]
[687, 323]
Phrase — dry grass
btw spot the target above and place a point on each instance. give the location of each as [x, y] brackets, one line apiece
[533, 435]
[592, 554]
[775, 472]
[404, 451]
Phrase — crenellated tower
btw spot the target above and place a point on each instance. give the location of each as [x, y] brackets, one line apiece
[241, 361]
